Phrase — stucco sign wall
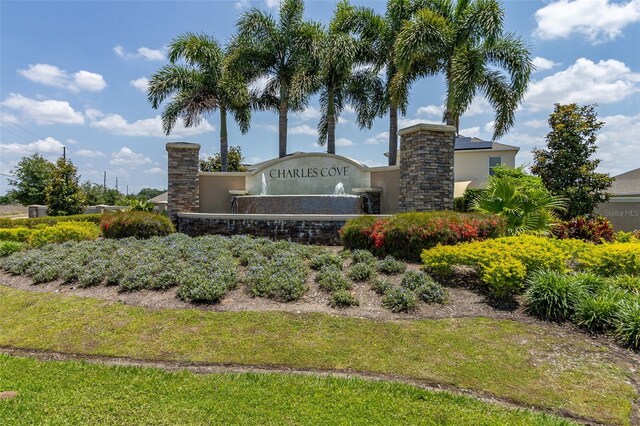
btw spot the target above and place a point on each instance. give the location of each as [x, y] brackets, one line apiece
[311, 173]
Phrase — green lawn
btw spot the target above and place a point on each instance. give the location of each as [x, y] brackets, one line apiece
[527, 363]
[80, 393]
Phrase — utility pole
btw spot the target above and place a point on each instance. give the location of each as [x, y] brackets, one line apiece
[64, 153]
[104, 182]
[127, 190]
[116, 183]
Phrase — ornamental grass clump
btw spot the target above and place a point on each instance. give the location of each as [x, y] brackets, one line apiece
[361, 272]
[627, 329]
[400, 299]
[598, 312]
[390, 266]
[552, 296]
[330, 279]
[342, 299]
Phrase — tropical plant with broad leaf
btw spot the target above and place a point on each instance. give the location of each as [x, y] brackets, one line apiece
[280, 57]
[196, 82]
[465, 41]
[523, 201]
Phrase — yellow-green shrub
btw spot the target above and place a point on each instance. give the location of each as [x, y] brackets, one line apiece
[64, 231]
[20, 235]
[611, 259]
[504, 276]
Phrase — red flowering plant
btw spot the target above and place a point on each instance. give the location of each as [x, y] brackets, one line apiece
[406, 235]
[591, 229]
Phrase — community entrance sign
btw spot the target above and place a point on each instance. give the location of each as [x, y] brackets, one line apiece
[308, 173]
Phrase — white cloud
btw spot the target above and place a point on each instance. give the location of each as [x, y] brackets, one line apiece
[71, 141]
[404, 122]
[543, 64]
[142, 52]
[140, 83]
[616, 140]
[89, 153]
[254, 160]
[115, 124]
[536, 124]
[349, 109]
[382, 137]
[43, 112]
[269, 127]
[372, 163]
[50, 75]
[6, 117]
[598, 20]
[154, 171]
[242, 4]
[584, 82]
[303, 130]
[127, 157]
[431, 110]
[480, 105]
[47, 145]
[473, 132]
[93, 114]
[310, 113]
[489, 128]
[344, 142]
[272, 4]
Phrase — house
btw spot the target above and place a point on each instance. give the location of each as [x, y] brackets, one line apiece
[623, 207]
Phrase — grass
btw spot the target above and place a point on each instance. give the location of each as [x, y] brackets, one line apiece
[523, 362]
[82, 393]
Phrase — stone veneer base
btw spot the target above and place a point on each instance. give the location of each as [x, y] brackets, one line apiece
[306, 229]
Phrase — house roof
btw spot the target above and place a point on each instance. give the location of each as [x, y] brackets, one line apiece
[627, 183]
[464, 143]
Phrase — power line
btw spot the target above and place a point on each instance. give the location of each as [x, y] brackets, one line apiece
[28, 131]
[16, 134]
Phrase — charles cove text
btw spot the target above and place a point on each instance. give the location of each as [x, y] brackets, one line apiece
[311, 172]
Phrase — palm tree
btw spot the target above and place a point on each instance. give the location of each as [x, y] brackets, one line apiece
[343, 80]
[465, 41]
[204, 83]
[282, 55]
[379, 33]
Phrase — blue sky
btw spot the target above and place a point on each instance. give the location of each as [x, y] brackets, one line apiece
[73, 74]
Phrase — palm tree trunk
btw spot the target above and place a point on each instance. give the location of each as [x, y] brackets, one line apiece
[393, 135]
[331, 125]
[224, 147]
[282, 121]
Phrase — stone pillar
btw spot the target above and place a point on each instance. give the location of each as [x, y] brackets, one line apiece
[184, 184]
[426, 167]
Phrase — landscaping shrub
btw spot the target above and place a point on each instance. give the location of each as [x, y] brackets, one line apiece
[588, 281]
[552, 296]
[405, 235]
[431, 292]
[414, 279]
[361, 272]
[330, 279]
[342, 299]
[9, 247]
[362, 256]
[135, 224]
[611, 259]
[64, 231]
[49, 220]
[464, 204]
[598, 312]
[203, 286]
[504, 276]
[628, 322]
[626, 237]
[628, 283]
[18, 235]
[381, 285]
[282, 278]
[325, 259]
[400, 299]
[391, 266]
[594, 230]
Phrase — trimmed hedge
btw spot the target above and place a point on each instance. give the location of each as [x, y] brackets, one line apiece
[57, 233]
[405, 235]
[136, 224]
[48, 220]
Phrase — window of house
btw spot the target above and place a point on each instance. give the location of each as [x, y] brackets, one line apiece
[494, 162]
